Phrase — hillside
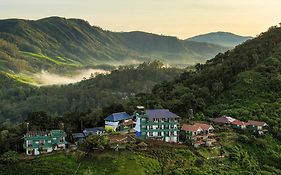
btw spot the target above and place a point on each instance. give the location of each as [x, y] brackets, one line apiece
[243, 83]
[242, 154]
[62, 45]
[225, 39]
[18, 99]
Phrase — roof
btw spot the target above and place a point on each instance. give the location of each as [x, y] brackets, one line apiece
[196, 127]
[118, 117]
[54, 133]
[78, 135]
[223, 119]
[256, 123]
[57, 133]
[128, 123]
[192, 128]
[94, 129]
[237, 122]
[160, 113]
[88, 131]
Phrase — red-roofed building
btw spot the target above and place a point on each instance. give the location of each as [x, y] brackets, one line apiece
[197, 134]
[237, 124]
[257, 126]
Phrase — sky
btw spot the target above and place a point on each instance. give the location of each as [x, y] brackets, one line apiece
[181, 18]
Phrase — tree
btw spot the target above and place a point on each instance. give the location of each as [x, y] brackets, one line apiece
[9, 157]
[95, 142]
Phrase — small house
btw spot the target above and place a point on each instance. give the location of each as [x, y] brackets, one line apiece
[113, 122]
[257, 126]
[38, 142]
[198, 134]
[78, 137]
[224, 120]
[237, 124]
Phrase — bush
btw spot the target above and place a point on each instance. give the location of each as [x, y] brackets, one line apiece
[9, 157]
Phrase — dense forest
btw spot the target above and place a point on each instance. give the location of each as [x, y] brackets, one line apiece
[18, 99]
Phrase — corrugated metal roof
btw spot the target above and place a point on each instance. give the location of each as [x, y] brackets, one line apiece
[78, 135]
[88, 131]
[118, 117]
[160, 113]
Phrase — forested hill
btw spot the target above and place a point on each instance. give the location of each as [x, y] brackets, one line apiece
[243, 83]
[17, 99]
[55, 43]
[226, 39]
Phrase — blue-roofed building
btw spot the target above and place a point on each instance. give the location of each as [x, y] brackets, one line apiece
[116, 121]
[159, 124]
[78, 137]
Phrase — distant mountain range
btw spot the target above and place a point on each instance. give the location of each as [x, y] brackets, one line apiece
[59, 44]
[225, 39]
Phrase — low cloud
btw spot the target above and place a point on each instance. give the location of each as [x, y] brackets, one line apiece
[46, 78]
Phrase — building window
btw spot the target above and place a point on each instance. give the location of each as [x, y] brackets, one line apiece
[159, 134]
[172, 126]
[61, 139]
[29, 143]
[42, 142]
[150, 127]
[150, 133]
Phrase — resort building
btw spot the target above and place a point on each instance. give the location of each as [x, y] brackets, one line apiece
[39, 142]
[198, 134]
[119, 122]
[157, 124]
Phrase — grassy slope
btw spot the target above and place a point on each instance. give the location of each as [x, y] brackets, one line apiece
[244, 154]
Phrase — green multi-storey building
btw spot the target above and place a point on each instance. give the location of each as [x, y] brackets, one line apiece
[39, 142]
[157, 124]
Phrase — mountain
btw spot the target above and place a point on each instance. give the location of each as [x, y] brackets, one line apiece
[225, 39]
[58, 44]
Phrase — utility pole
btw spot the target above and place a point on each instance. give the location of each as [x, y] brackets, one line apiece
[27, 127]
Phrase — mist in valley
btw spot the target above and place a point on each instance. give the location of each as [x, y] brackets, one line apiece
[46, 78]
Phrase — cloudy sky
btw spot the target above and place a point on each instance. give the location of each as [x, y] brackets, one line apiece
[181, 18]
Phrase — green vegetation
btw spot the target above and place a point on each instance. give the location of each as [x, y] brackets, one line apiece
[17, 99]
[250, 155]
[243, 83]
[61, 60]
[33, 45]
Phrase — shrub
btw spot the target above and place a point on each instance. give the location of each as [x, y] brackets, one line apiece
[9, 157]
